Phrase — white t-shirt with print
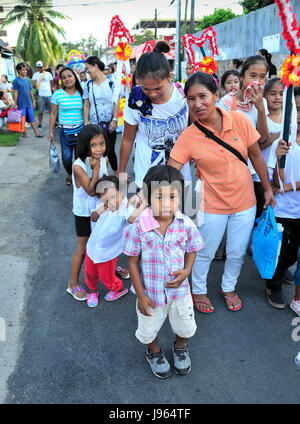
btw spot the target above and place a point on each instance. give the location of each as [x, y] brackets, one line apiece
[105, 96]
[288, 203]
[157, 133]
[45, 86]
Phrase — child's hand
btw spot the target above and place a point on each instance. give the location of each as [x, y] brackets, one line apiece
[143, 305]
[256, 95]
[180, 276]
[94, 162]
[282, 149]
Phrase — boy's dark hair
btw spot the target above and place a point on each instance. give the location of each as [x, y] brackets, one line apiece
[252, 60]
[154, 64]
[269, 84]
[20, 66]
[160, 175]
[88, 132]
[105, 183]
[1, 94]
[201, 78]
[227, 74]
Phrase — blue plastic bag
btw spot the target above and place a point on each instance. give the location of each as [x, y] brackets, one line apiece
[266, 244]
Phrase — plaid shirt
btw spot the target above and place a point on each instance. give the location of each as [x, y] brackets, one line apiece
[160, 256]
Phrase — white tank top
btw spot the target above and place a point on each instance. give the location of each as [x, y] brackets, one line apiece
[83, 203]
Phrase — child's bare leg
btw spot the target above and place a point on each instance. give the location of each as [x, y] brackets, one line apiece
[179, 343]
[77, 262]
[153, 347]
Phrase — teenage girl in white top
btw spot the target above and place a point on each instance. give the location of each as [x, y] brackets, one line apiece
[86, 170]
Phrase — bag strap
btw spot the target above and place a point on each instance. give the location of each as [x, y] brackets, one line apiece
[212, 136]
[41, 80]
[95, 102]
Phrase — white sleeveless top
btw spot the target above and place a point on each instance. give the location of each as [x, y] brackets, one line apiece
[83, 203]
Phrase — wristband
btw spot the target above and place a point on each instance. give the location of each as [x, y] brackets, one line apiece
[115, 119]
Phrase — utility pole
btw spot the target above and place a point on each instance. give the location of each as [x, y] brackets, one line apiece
[192, 17]
[185, 16]
[177, 55]
[155, 25]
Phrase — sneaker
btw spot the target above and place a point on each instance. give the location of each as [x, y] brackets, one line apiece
[115, 295]
[92, 300]
[39, 126]
[295, 306]
[182, 360]
[159, 364]
[288, 277]
[275, 298]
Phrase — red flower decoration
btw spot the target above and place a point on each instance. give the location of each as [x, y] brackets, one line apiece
[291, 31]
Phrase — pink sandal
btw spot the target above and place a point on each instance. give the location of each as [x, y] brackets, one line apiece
[232, 300]
[115, 295]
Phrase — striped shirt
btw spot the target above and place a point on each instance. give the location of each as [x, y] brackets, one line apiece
[160, 256]
[70, 108]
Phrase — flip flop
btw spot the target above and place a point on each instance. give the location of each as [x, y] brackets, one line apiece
[232, 300]
[206, 302]
[74, 291]
[122, 273]
[68, 181]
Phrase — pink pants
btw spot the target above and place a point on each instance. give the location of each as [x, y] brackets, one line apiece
[105, 271]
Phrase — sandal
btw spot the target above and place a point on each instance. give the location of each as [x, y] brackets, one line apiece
[205, 302]
[68, 181]
[77, 289]
[122, 273]
[232, 300]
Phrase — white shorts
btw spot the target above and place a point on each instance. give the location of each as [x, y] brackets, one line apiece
[181, 318]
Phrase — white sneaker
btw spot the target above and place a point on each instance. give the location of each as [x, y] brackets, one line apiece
[295, 306]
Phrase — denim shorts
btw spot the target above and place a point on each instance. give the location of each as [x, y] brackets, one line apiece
[44, 103]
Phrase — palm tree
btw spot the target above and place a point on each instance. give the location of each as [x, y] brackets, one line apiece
[37, 39]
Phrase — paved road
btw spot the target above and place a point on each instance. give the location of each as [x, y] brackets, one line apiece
[58, 350]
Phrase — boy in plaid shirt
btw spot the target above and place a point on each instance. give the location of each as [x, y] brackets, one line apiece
[161, 245]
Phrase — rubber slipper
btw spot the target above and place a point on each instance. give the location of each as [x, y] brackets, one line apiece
[232, 300]
[206, 302]
[68, 181]
[74, 291]
[122, 273]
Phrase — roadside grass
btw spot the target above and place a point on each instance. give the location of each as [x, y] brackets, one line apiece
[9, 138]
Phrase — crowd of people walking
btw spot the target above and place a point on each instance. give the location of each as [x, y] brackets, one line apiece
[230, 133]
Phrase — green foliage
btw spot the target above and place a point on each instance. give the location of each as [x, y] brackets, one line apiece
[252, 5]
[89, 46]
[146, 35]
[37, 37]
[219, 16]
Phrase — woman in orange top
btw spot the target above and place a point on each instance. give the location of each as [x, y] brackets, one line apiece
[226, 185]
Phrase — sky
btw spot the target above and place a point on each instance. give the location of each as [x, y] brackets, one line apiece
[96, 16]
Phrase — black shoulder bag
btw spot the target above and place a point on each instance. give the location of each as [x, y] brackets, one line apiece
[212, 136]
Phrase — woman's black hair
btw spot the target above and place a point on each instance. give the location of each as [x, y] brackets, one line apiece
[77, 82]
[111, 66]
[160, 175]
[227, 74]
[154, 64]
[252, 60]
[88, 132]
[94, 60]
[269, 84]
[266, 55]
[237, 63]
[105, 183]
[59, 66]
[297, 91]
[201, 78]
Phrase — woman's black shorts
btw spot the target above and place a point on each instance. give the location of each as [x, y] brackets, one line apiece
[83, 226]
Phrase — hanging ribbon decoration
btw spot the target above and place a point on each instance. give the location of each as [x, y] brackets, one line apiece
[123, 50]
[208, 64]
[290, 73]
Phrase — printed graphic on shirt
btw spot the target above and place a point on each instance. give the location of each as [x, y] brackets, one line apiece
[163, 133]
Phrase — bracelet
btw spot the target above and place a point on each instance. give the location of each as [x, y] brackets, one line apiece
[115, 119]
